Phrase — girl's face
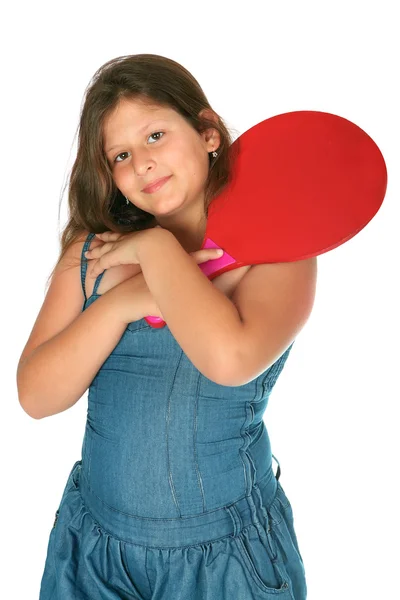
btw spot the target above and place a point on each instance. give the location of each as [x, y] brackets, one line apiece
[144, 143]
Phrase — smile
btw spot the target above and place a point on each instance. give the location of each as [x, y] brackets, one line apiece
[156, 186]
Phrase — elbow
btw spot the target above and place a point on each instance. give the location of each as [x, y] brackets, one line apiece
[224, 373]
[30, 413]
[29, 409]
[26, 404]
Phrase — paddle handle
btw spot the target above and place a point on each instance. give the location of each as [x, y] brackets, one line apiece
[209, 268]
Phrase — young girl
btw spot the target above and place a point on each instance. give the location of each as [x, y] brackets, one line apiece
[174, 496]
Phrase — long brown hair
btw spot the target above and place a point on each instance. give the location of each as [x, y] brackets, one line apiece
[95, 204]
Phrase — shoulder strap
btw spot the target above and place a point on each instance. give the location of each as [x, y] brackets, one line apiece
[84, 261]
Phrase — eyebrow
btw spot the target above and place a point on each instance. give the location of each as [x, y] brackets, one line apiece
[139, 131]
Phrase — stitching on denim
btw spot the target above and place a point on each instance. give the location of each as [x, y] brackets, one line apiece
[170, 479]
[209, 512]
[199, 477]
[145, 568]
[237, 519]
[277, 500]
[229, 510]
[103, 530]
[243, 448]
[274, 371]
[89, 458]
[138, 328]
[254, 574]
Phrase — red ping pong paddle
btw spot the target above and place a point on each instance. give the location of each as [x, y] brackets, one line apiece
[302, 183]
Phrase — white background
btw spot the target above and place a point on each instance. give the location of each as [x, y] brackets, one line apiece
[332, 415]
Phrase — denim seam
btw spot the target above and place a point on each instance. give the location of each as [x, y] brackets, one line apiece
[105, 531]
[133, 331]
[89, 458]
[149, 518]
[199, 477]
[170, 479]
[233, 518]
[243, 449]
[238, 521]
[255, 577]
[147, 574]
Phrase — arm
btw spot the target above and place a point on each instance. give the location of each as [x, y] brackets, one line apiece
[58, 372]
[202, 319]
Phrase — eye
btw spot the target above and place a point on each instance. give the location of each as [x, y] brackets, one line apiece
[156, 133]
[151, 135]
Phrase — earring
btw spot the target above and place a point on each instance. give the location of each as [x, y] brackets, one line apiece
[127, 201]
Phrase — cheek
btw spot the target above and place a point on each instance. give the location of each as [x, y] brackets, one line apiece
[194, 163]
[122, 178]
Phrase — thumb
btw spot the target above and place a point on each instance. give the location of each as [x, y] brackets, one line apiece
[206, 254]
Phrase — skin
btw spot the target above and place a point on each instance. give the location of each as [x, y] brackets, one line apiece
[138, 158]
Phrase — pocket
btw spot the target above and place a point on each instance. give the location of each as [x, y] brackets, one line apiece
[137, 326]
[259, 554]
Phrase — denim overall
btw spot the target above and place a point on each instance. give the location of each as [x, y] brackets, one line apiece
[174, 497]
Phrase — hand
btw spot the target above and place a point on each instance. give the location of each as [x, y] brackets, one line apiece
[118, 249]
[133, 299]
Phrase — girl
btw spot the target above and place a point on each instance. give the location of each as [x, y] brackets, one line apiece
[174, 496]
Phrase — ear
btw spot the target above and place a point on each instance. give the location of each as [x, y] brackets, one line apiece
[211, 136]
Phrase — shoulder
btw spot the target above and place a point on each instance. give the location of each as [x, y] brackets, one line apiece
[72, 253]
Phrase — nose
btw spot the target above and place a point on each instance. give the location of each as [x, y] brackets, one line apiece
[142, 163]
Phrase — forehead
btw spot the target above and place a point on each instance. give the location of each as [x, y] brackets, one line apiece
[135, 114]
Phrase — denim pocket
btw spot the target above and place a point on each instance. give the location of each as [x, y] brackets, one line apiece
[137, 326]
[259, 554]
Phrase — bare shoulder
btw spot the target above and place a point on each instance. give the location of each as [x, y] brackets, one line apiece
[63, 301]
[73, 255]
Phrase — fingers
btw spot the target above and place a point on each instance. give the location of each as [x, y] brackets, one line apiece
[100, 250]
[109, 235]
[93, 272]
[96, 268]
[207, 254]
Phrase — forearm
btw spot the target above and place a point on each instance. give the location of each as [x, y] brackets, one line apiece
[205, 323]
[58, 372]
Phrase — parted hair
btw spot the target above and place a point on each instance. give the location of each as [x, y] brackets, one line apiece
[95, 204]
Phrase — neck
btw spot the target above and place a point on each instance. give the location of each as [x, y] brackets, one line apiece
[190, 237]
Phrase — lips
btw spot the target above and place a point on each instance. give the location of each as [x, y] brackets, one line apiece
[155, 185]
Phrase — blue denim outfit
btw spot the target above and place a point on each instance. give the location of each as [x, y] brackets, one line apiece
[174, 497]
